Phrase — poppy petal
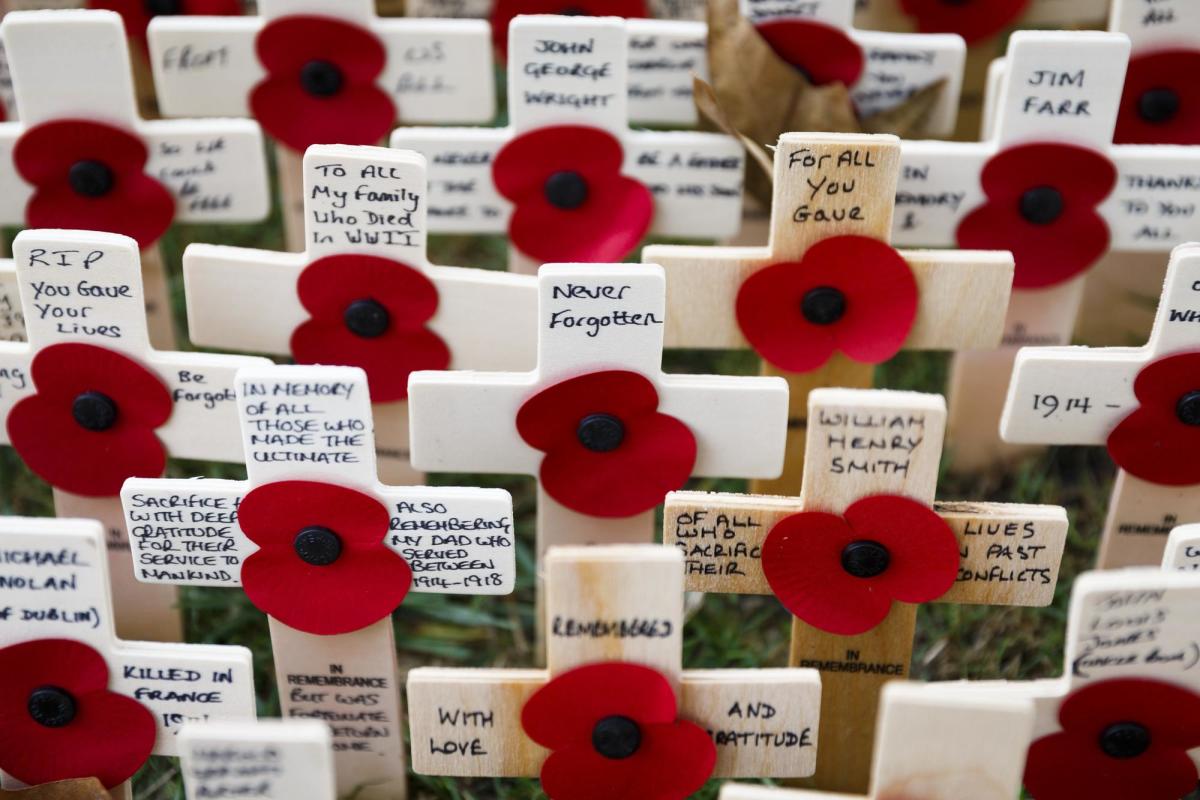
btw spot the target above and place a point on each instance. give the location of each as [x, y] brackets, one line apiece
[562, 713]
[823, 53]
[974, 20]
[923, 549]
[272, 515]
[1152, 442]
[1160, 105]
[550, 419]
[503, 12]
[110, 737]
[388, 360]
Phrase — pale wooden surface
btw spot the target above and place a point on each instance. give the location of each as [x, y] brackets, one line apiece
[143, 612]
[289, 166]
[1119, 299]
[266, 760]
[156, 292]
[379, 772]
[1140, 517]
[1183, 549]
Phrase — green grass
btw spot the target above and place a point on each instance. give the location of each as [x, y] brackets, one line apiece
[726, 632]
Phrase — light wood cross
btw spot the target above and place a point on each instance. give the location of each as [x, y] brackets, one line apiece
[433, 71]
[894, 66]
[602, 323]
[1183, 549]
[307, 433]
[1083, 396]
[660, 9]
[935, 745]
[863, 444]
[271, 760]
[1120, 293]
[73, 67]
[83, 296]
[1125, 704]
[371, 202]
[56, 587]
[828, 186]
[573, 72]
[12, 318]
[613, 605]
[1058, 89]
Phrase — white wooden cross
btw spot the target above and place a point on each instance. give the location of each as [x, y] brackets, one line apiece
[308, 430]
[660, 9]
[433, 71]
[56, 587]
[597, 321]
[1125, 704]
[566, 72]
[828, 186]
[372, 202]
[1058, 89]
[935, 745]
[269, 760]
[891, 67]
[1081, 396]
[83, 296]
[1157, 107]
[1183, 549]
[863, 444]
[892, 14]
[615, 605]
[12, 318]
[73, 66]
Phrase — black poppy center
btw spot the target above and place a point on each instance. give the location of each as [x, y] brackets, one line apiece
[616, 737]
[865, 559]
[367, 318]
[90, 178]
[321, 78]
[94, 411]
[601, 433]
[157, 8]
[318, 546]
[1158, 106]
[573, 11]
[1125, 740]
[566, 190]
[51, 706]
[1042, 205]
[823, 305]
[1188, 408]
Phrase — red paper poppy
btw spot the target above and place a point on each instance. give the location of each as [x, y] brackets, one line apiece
[136, 14]
[613, 731]
[1120, 739]
[58, 720]
[505, 11]
[572, 202]
[91, 423]
[369, 312]
[849, 294]
[1159, 440]
[841, 574]
[973, 20]
[822, 52]
[320, 85]
[609, 452]
[1161, 104]
[1042, 201]
[322, 566]
[90, 176]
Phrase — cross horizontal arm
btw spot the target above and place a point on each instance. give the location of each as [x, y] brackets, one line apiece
[462, 197]
[1183, 549]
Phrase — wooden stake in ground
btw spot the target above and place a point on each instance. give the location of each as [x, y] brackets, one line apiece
[1127, 705]
[82, 158]
[1047, 185]
[1143, 403]
[935, 745]
[327, 551]
[363, 293]
[880, 70]
[828, 298]
[271, 760]
[326, 72]
[88, 402]
[79, 701]
[860, 547]
[614, 680]
[985, 24]
[1158, 107]
[568, 180]
[606, 431]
